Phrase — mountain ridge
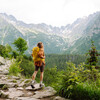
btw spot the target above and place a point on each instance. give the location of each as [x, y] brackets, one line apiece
[55, 39]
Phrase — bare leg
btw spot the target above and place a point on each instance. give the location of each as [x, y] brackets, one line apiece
[41, 77]
[34, 75]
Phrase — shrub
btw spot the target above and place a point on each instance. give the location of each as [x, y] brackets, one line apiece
[85, 91]
[15, 69]
[14, 54]
[3, 51]
[74, 84]
[28, 67]
[50, 76]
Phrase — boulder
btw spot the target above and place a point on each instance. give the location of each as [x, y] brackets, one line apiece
[13, 92]
[46, 92]
[37, 87]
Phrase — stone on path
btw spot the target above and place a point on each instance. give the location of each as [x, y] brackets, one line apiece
[46, 92]
[12, 92]
[59, 98]
[3, 94]
[26, 98]
[37, 87]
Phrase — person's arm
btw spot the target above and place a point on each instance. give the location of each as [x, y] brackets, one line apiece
[41, 55]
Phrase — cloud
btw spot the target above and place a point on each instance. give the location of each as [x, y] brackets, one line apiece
[54, 12]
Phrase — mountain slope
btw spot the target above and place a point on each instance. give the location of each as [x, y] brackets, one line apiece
[72, 38]
[11, 29]
[91, 32]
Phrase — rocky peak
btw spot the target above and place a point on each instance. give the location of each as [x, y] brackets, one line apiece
[62, 38]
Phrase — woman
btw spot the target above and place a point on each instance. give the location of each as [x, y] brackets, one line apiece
[39, 62]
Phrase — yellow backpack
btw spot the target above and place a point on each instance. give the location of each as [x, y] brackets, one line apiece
[35, 52]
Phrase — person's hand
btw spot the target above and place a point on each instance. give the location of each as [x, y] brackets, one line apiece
[43, 57]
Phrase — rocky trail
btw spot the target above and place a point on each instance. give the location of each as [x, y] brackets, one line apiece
[17, 88]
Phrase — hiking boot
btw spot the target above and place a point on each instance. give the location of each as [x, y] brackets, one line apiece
[42, 85]
[32, 84]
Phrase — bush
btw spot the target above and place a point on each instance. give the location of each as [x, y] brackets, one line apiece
[27, 57]
[15, 69]
[14, 54]
[85, 91]
[3, 51]
[69, 79]
[50, 76]
[74, 84]
[27, 66]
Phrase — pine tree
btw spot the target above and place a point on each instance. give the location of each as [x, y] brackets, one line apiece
[93, 55]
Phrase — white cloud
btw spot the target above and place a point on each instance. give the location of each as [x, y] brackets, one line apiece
[54, 12]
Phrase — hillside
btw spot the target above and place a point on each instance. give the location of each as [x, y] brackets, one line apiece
[72, 38]
[18, 88]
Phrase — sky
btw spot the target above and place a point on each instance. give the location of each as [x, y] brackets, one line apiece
[51, 12]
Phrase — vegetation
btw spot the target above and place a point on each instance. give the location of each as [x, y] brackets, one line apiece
[15, 69]
[82, 82]
[73, 76]
[21, 45]
[93, 55]
[59, 60]
[5, 50]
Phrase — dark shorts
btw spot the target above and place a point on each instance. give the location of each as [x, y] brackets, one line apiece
[41, 68]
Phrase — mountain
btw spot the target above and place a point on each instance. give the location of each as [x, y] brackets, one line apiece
[72, 38]
[90, 32]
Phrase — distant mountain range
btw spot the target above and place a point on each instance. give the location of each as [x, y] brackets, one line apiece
[73, 38]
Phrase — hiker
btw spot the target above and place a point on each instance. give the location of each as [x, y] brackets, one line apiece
[39, 62]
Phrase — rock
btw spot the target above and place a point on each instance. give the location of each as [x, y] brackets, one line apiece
[3, 77]
[26, 82]
[20, 88]
[4, 72]
[11, 85]
[3, 94]
[1, 85]
[15, 88]
[59, 98]
[13, 92]
[25, 98]
[4, 66]
[2, 61]
[37, 87]
[14, 77]
[5, 87]
[47, 92]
